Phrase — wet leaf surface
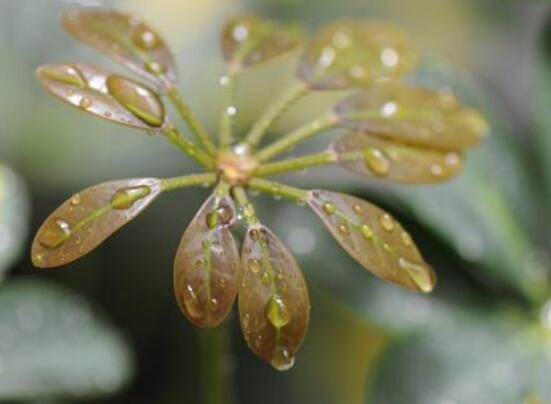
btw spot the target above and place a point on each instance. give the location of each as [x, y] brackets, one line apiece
[86, 219]
[103, 94]
[126, 39]
[414, 115]
[53, 345]
[207, 265]
[350, 54]
[374, 156]
[13, 217]
[374, 239]
[248, 40]
[274, 305]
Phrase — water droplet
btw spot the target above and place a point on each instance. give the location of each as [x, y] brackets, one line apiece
[200, 263]
[64, 73]
[387, 222]
[420, 274]
[124, 198]
[76, 200]
[344, 228]
[254, 265]
[266, 278]
[213, 304]
[224, 81]
[240, 33]
[282, 359]
[406, 239]
[452, 159]
[357, 209]
[389, 57]
[376, 161]
[222, 215]
[341, 40]
[141, 101]
[254, 234]
[231, 110]
[155, 68]
[222, 284]
[329, 208]
[327, 57]
[54, 233]
[191, 303]
[145, 39]
[437, 170]
[277, 312]
[366, 231]
[389, 109]
[85, 103]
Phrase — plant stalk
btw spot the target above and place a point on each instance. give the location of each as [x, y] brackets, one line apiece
[191, 120]
[297, 136]
[215, 365]
[170, 184]
[228, 82]
[277, 189]
[274, 111]
[175, 137]
[296, 164]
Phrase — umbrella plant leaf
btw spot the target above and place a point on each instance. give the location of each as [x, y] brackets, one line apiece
[86, 219]
[207, 265]
[373, 156]
[350, 54]
[101, 93]
[414, 115]
[126, 39]
[374, 239]
[248, 40]
[274, 306]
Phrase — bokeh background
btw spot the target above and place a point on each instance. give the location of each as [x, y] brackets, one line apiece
[107, 329]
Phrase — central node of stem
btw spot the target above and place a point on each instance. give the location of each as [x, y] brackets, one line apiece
[236, 165]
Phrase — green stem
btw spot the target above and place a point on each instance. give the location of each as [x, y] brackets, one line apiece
[228, 83]
[299, 135]
[300, 163]
[193, 123]
[174, 135]
[170, 184]
[277, 189]
[274, 111]
[249, 213]
[215, 358]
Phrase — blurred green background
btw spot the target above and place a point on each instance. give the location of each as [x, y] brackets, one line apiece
[107, 329]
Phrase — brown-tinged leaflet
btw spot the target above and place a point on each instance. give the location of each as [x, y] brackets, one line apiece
[207, 266]
[106, 95]
[85, 220]
[248, 40]
[374, 156]
[374, 239]
[274, 305]
[413, 115]
[351, 53]
[125, 38]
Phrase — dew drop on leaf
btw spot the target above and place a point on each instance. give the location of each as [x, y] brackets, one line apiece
[126, 197]
[55, 232]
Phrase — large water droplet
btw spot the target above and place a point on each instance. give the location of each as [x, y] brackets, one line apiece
[155, 68]
[329, 208]
[222, 215]
[85, 103]
[145, 39]
[387, 222]
[191, 303]
[376, 161]
[75, 200]
[141, 101]
[124, 198]
[282, 359]
[421, 275]
[366, 231]
[54, 233]
[254, 265]
[406, 239]
[277, 312]
[65, 74]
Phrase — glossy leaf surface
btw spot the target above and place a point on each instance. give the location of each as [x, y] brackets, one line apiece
[355, 54]
[248, 40]
[207, 266]
[125, 38]
[85, 220]
[374, 239]
[274, 305]
[109, 96]
[374, 156]
[414, 115]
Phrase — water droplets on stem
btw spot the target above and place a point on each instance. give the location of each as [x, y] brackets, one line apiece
[55, 232]
[126, 197]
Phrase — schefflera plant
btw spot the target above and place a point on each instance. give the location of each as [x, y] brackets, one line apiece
[391, 130]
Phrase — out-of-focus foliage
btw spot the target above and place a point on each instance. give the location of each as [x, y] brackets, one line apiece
[52, 344]
[13, 217]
